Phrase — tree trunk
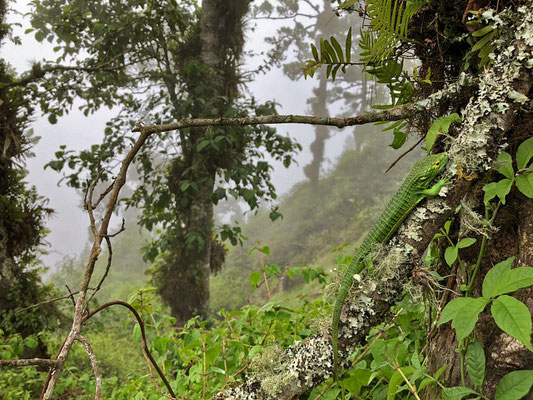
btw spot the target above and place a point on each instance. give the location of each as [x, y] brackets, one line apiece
[503, 353]
[184, 281]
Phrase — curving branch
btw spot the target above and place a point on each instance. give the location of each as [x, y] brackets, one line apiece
[145, 349]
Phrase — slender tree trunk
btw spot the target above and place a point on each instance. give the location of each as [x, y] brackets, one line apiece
[185, 279]
[319, 109]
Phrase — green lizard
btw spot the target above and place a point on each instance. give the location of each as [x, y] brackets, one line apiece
[410, 193]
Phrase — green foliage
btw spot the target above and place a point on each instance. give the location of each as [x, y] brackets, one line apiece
[332, 55]
[511, 315]
[514, 386]
[389, 21]
[440, 125]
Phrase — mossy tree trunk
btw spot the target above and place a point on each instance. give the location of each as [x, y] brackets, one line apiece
[185, 276]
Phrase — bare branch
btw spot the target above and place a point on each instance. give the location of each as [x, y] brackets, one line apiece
[391, 114]
[24, 362]
[67, 296]
[146, 351]
[55, 373]
[94, 362]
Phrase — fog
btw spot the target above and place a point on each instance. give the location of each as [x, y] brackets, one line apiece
[69, 225]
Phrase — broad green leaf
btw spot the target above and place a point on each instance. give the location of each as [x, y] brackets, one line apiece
[357, 379]
[466, 242]
[475, 363]
[503, 188]
[524, 153]
[441, 125]
[514, 385]
[500, 189]
[254, 279]
[492, 278]
[464, 313]
[450, 255]
[265, 250]
[447, 225]
[513, 317]
[512, 280]
[397, 380]
[505, 165]
[524, 183]
[456, 393]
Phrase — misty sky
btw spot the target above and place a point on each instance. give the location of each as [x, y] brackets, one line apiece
[69, 225]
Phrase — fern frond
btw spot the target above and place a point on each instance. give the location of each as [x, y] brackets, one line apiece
[389, 21]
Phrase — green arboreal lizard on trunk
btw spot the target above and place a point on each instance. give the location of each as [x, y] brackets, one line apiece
[413, 190]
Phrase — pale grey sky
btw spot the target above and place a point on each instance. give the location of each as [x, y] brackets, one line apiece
[69, 225]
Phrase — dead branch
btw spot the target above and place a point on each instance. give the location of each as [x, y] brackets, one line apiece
[55, 373]
[94, 363]
[24, 362]
[392, 114]
[145, 349]
[48, 301]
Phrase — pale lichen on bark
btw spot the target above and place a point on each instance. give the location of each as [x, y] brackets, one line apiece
[487, 117]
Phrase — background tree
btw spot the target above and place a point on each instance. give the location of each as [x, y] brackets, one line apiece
[22, 211]
[162, 61]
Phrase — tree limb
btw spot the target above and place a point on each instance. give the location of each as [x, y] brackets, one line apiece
[24, 362]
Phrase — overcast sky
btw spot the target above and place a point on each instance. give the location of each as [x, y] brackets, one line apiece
[69, 225]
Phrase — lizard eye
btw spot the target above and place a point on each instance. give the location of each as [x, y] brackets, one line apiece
[437, 163]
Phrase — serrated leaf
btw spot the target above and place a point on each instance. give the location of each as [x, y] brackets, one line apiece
[524, 153]
[475, 363]
[464, 313]
[492, 278]
[505, 165]
[524, 183]
[513, 317]
[450, 255]
[514, 385]
[466, 242]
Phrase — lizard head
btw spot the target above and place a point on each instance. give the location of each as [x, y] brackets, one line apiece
[428, 168]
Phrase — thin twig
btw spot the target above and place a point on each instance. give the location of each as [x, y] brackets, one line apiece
[24, 362]
[67, 296]
[107, 268]
[94, 363]
[55, 373]
[405, 153]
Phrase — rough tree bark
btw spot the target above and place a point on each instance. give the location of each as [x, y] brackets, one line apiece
[492, 119]
[185, 276]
